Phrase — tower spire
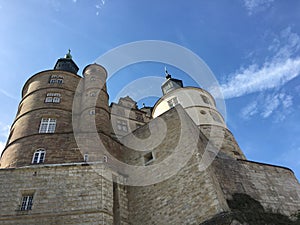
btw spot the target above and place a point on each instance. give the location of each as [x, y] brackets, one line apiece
[68, 55]
[167, 74]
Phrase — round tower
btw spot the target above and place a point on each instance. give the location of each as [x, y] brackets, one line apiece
[201, 107]
[94, 100]
[42, 130]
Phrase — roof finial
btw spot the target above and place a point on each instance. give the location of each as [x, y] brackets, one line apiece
[68, 55]
[167, 74]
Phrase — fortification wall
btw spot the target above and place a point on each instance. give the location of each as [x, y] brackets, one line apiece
[190, 196]
[69, 194]
[275, 188]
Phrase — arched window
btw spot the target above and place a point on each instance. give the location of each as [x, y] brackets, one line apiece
[39, 156]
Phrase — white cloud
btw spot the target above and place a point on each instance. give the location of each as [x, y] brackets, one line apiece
[8, 94]
[4, 130]
[250, 110]
[277, 104]
[253, 6]
[281, 68]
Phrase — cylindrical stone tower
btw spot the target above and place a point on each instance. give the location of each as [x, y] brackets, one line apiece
[42, 131]
[201, 107]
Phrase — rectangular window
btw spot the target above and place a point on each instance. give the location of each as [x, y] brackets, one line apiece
[172, 102]
[122, 125]
[39, 156]
[26, 202]
[86, 157]
[52, 97]
[60, 81]
[54, 79]
[56, 99]
[47, 125]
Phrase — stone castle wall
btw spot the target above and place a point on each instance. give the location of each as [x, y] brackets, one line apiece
[190, 196]
[275, 188]
[65, 194]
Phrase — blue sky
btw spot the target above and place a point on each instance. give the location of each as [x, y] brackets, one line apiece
[252, 47]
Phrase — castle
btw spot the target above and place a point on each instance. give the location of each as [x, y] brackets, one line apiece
[71, 158]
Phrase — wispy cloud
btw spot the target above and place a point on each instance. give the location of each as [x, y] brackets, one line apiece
[274, 72]
[277, 104]
[8, 94]
[253, 6]
[4, 130]
[250, 110]
[99, 6]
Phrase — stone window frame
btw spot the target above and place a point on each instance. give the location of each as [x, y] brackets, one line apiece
[26, 202]
[47, 125]
[122, 125]
[173, 102]
[39, 156]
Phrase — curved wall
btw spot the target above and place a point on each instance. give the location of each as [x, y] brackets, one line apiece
[38, 103]
[201, 107]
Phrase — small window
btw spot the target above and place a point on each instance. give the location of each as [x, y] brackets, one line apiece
[92, 112]
[148, 158]
[86, 157]
[122, 125]
[54, 79]
[93, 94]
[172, 102]
[39, 156]
[139, 117]
[205, 99]
[60, 81]
[93, 78]
[52, 97]
[56, 99]
[47, 125]
[26, 203]
[48, 99]
[202, 112]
